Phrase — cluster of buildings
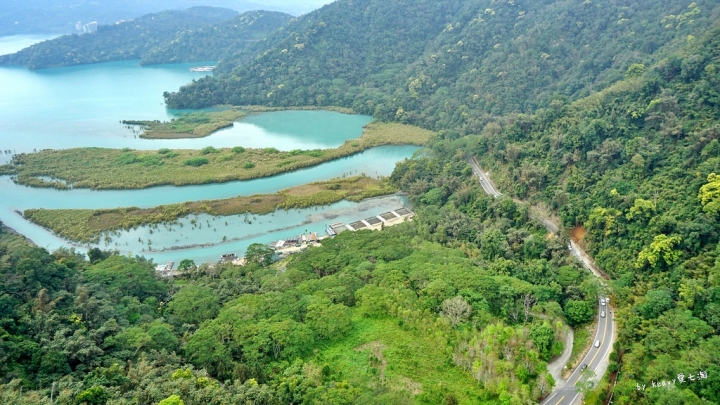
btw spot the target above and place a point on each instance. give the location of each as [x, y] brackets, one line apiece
[300, 243]
[296, 241]
[377, 222]
[88, 28]
[374, 223]
[232, 258]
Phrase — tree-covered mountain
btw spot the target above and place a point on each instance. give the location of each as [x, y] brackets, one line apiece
[195, 34]
[233, 38]
[60, 16]
[635, 166]
[632, 173]
[449, 64]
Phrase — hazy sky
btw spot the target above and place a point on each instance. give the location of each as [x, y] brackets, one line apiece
[303, 6]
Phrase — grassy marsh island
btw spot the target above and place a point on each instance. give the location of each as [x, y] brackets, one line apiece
[191, 125]
[87, 225]
[98, 168]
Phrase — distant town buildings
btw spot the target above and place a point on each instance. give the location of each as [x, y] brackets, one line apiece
[88, 28]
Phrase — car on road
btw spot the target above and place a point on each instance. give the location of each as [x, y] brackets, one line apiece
[602, 313]
[583, 367]
[597, 343]
[602, 301]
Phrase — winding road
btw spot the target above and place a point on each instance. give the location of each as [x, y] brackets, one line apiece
[594, 365]
[567, 392]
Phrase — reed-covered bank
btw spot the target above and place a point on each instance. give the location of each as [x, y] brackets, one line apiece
[99, 168]
[87, 225]
[191, 125]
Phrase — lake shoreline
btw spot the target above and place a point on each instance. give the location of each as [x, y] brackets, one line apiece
[88, 225]
[12, 231]
[59, 109]
[158, 130]
[170, 252]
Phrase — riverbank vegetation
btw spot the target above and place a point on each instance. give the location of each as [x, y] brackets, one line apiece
[264, 108]
[87, 226]
[189, 125]
[98, 168]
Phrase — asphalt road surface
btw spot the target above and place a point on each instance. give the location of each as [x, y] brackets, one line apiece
[567, 392]
[484, 180]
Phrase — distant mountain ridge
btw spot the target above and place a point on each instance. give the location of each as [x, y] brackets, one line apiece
[449, 64]
[60, 16]
[237, 37]
[195, 34]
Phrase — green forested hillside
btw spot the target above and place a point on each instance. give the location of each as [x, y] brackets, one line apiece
[195, 34]
[447, 65]
[467, 303]
[634, 169]
[233, 38]
[369, 317]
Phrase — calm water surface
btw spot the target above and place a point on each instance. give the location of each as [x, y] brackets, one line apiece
[209, 237]
[82, 106]
[14, 43]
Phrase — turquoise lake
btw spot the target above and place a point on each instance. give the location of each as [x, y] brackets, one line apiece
[83, 106]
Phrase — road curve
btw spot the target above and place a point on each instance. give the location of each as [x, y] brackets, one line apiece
[597, 358]
[567, 392]
[557, 366]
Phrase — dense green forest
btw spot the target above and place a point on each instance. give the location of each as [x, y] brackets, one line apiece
[452, 64]
[418, 313]
[195, 34]
[635, 166]
[603, 112]
[236, 38]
